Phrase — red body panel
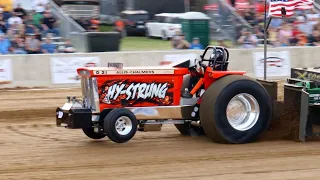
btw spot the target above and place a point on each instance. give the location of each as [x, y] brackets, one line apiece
[138, 87]
[210, 76]
[133, 89]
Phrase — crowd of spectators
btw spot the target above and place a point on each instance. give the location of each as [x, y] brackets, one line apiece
[302, 29]
[23, 32]
[178, 41]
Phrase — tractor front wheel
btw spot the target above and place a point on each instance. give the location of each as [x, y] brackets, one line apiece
[120, 125]
[235, 109]
[89, 132]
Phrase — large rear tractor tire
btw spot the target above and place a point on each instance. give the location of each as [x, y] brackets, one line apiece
[235, 110]
[188, 129]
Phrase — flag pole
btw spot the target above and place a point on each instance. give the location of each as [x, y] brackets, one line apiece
[266, 26]
[265, 41]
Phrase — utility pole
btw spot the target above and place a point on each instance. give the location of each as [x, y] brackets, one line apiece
[187, 5]
[129, 4]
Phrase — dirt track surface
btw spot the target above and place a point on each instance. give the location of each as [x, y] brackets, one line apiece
[32, 147]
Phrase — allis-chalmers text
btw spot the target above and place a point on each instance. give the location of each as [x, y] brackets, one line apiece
[135, 91]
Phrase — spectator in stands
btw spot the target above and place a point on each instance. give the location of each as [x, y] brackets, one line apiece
[47, 7]
[247, 39]
[276, 22]
[259, 19]
[32, 44]
[10, 34]
[221, 42]
[48, 24]
[3, 27]
[285, 35]
[17, 45]
[273, 36]
[38, 34]
[317, 26]
[29, 23]
[39, 4]
[21, 30]
[313, 17]
[94, 24]
[175, 39]
[68, 47]
[119, 26]
[258, 31]
[48, 47]
[183, 43]
[7, 6]
[40, 8]
[14, 20]
[196, 44]
[302, 40]
[304, 25]
[20, 12]
[37, 19]
[314, 38]
[249, 16]
[295, 34]
[4, 44]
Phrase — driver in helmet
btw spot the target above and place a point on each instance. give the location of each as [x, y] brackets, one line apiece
[197, 72]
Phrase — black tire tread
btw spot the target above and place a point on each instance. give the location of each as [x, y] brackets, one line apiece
[208, 103]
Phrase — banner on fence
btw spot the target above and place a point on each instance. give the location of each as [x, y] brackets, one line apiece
[5, 71]
[278, 64]
[64, 69]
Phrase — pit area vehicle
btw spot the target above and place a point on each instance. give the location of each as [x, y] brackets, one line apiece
[135, 21]
[200, 97]
[164, 25]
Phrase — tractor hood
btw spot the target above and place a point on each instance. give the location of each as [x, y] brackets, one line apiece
[149, 70]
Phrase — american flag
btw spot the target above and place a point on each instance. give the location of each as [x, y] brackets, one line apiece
[290, 6]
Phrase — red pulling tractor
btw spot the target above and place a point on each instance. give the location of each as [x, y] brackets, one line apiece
[199, 97]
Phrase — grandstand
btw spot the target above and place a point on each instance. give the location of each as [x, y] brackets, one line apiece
[20, 22]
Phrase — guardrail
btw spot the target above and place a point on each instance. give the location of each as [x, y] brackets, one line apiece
[58, 70]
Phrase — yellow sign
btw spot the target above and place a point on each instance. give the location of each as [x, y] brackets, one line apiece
[307, 75]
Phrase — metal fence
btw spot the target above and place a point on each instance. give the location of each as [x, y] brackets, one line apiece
[226, 23]
[317, 6]
[69, 28]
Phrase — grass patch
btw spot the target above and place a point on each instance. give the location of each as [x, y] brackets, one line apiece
[106, 28]
[143, 43]
[146, 44]
[131, 43]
